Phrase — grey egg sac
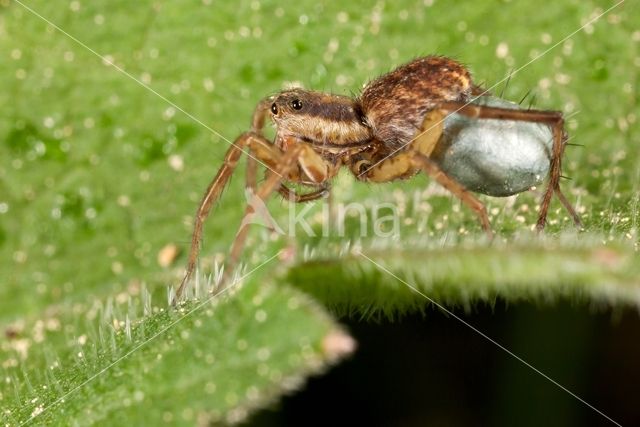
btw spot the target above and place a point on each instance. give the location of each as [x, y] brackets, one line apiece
[494, 157]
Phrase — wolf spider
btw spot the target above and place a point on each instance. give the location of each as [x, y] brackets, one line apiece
[387, 133]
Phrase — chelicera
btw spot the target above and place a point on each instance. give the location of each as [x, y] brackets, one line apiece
[391, 131]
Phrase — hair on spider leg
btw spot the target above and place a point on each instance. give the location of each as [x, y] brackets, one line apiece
[525, 96]
[572, 144]
[572, 114]
[532, 101]
[506, 83]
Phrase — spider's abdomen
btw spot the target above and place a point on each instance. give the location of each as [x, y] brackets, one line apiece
[395, 103]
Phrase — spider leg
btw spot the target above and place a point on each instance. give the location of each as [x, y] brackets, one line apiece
[287, 163]
[292, 195]
[554, 119]
[429, 167]
[250, 179]
[257, 124]
[406, 163]
[300, 163]
[260, 148]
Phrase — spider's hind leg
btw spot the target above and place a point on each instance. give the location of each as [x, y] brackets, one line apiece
[415, 157]
[430, 168]
[554, 119]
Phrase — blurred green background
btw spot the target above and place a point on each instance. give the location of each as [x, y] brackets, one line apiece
[98, 174]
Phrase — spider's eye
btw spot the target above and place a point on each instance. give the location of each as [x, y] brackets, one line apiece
[296, 104]
[274, 108]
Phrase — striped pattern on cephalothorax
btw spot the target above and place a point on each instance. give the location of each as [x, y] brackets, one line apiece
[320, 119]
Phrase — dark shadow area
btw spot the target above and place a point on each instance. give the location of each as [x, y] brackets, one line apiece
[432, 370]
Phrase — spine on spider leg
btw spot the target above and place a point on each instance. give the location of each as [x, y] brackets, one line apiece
[558, 191]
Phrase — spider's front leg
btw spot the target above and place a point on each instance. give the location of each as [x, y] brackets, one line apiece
[257, 125]
[260, 150]
[300, 163]
[414, 158]
[293, 196]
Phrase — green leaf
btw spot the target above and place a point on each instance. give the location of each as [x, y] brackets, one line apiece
[210, 360]
[372, 278]
[97, 175]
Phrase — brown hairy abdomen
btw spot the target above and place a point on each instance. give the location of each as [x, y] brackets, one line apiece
[395, 103]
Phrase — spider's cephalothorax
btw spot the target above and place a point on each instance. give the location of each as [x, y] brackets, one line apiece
[331, 121]
[391, 131]
[391, 109]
